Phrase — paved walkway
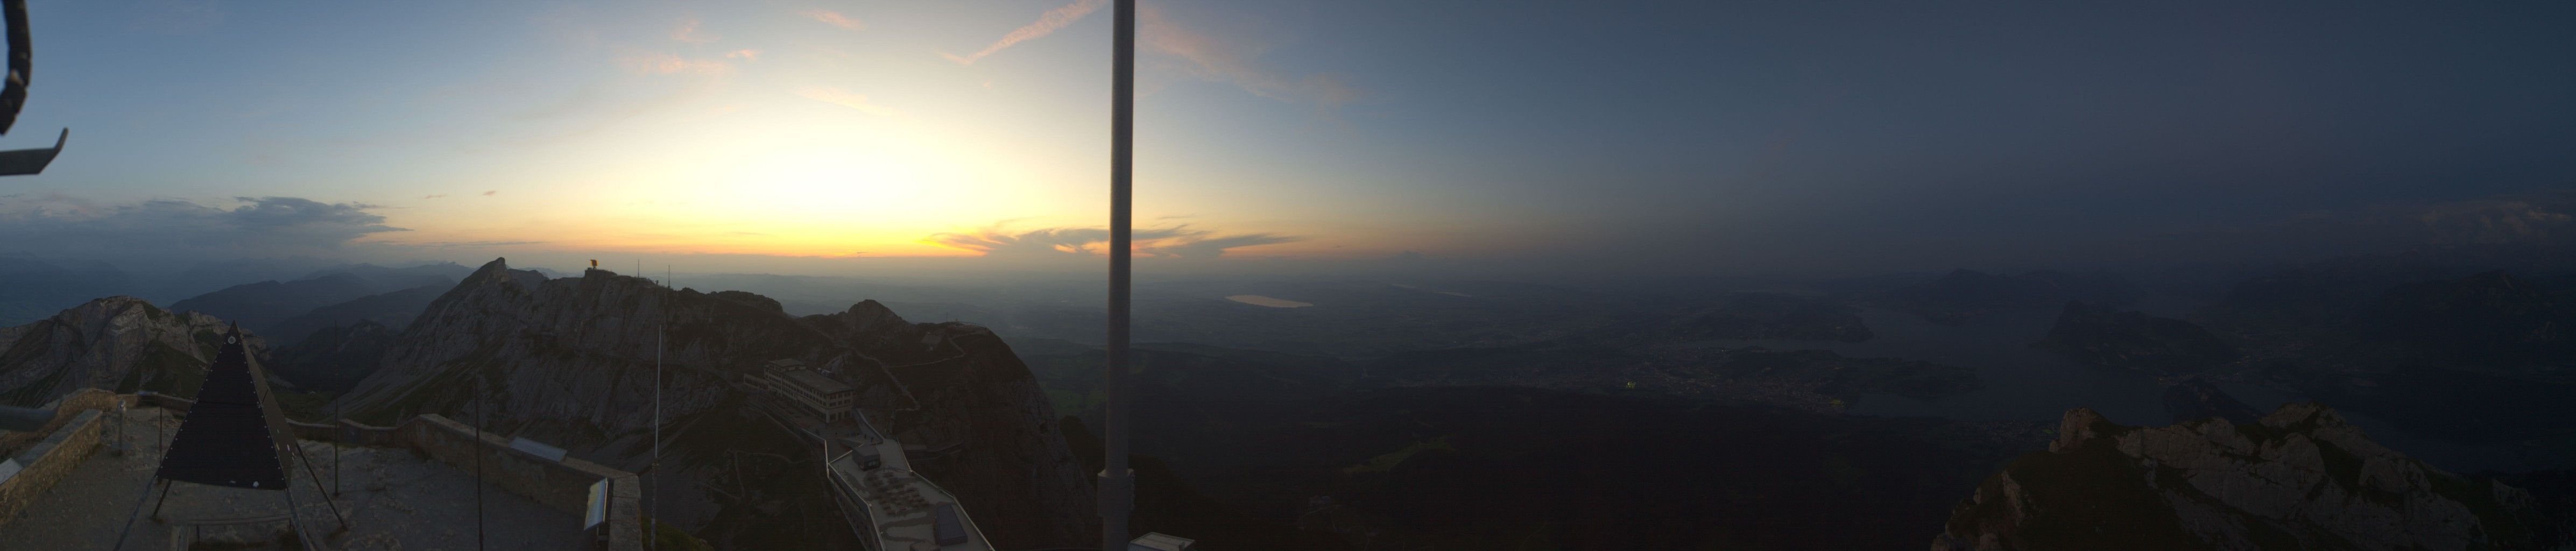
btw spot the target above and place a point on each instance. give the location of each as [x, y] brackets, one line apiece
[395, 499]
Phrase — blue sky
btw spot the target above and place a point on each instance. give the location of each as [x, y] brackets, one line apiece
[820, 136]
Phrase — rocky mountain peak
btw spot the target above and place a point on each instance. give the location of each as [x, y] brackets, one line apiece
[574, 362]
[2301, 478]
[120, 343]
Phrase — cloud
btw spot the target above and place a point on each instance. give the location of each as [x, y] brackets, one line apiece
[61, 226]
[844, 98]
[690, 33]
[1180, 241]
[1209, 246]
[1228, 62]
[745, 54]
[489, 193]
[665, 63]
[834, 18]
[433, 196]
[470, 244]
[1046, 24]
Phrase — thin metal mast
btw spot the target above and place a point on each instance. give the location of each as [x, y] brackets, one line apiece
[478, 461]
[663, 327]
[1117, 483]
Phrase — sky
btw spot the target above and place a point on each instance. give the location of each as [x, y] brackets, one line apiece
[834, 138]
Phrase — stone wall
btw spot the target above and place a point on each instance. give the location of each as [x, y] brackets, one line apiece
[65, 408]
[49, 460]
[563, 485]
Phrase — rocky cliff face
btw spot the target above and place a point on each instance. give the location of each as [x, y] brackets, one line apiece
[958, 384]
[119, 343]
[2301, 478]
[571, 361]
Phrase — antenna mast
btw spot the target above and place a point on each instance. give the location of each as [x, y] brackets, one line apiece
[659, 332]
[1117, 483]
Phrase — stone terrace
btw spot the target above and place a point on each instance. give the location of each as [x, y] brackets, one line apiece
[395, 500]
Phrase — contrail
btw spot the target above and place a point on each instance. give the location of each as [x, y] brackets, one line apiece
[1054, 19]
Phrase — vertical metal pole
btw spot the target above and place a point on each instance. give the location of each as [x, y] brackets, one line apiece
[478, 462]
[1117, 483]
[659, 332]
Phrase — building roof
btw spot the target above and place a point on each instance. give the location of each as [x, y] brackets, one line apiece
[908, 509]
[816, 382]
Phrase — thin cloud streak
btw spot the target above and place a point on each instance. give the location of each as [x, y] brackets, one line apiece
[665, 63]
[1046, 24]
[1181, 241]
[1220, 61]
[835, 19]
[689, 32]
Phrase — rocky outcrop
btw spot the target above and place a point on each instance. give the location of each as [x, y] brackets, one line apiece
[2104, 336]
[571, 361]
[959, 385]
[121, 343]
[2301, 478]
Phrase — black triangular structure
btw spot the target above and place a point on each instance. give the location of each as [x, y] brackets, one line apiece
[234, 435]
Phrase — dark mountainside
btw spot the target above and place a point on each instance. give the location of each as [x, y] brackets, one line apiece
[1964, 295]
[570, 361]
[32, 290]
[2479, 357]
[266, 306]
[393, 310]
[1513, 468]
[1803, 379]
[2301, 478]
[2100, 335]
[2489, 321]
[333, 358]
[1282, 447]
[1747, 316]
[117, 343]
[443, 273]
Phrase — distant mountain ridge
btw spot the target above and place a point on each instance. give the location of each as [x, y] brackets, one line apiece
[273, 307]
[33, 289]
[2105, 336]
